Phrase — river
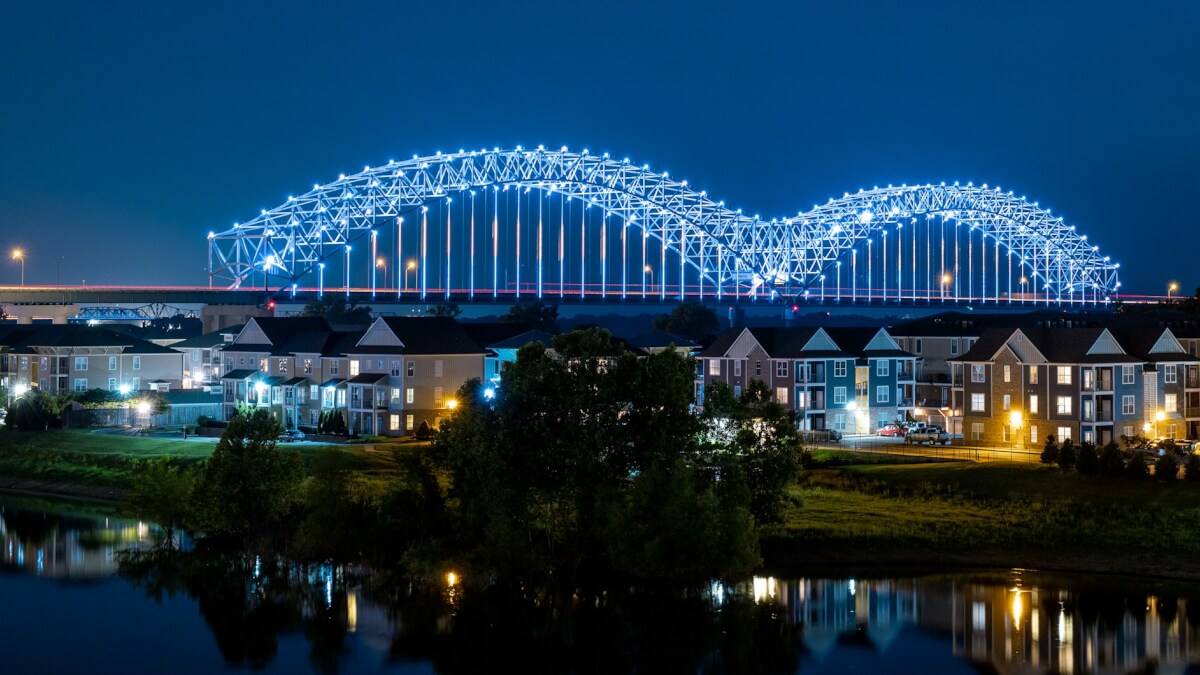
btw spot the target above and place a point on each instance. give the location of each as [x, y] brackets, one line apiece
[84, 591]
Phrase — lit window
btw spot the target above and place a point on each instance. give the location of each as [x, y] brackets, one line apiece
[977, 431]
[1033, 404]
[977, 372]
[112, 362]
[354, 365]
[781, 395]
[1033, 434]
[1063, 374]
[714, 367]
[977, 403]
[1063, 406]
[1033, 374]
[1007, 375]
[1007, 401]
[1064, 433]
[1169, 403]
[408, 396]
[408, 422]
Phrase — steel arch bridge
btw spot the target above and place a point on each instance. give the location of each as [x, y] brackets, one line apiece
[556, 223]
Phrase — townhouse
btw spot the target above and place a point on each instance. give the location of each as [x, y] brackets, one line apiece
[75, 358]
[846, 379]
[1093, 384]
[387, 379]
[202, 356]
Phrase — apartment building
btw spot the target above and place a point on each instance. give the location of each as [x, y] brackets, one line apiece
[75, 358]
[202, 356]
[1020, 385]
[847, 379]
[385, 380]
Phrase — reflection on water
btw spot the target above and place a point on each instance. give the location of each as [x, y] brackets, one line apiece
[267, 613]
[57, 543]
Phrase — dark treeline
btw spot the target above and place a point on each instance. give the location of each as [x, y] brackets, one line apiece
[587, 462]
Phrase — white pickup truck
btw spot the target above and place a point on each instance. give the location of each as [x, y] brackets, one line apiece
[930, 434]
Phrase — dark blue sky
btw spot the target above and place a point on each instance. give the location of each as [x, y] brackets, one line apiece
[129, 130]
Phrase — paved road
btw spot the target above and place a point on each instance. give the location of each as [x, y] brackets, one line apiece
[892, 446]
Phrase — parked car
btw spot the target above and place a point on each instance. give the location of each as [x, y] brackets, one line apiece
[890, 430]
[932, 435]
[291, 435]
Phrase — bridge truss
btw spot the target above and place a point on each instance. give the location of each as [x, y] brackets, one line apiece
[554, 223]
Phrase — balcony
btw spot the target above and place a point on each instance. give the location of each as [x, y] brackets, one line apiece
[1192, 382]
[1192, 412]
[906, 374]
[1104, 416]
[904, 403]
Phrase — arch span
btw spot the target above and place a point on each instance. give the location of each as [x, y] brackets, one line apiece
[699, 246]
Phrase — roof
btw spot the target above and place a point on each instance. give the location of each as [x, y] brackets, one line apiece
[341, 343]
[303, 342]
[279, 328]
[333, 382]
[294, 381]
[76, 335]
[208, 340]
[777, 342]
[368, 378]
[656, 338]
[240, 374]
[1057, 344]
[432, 335]
[522, 339]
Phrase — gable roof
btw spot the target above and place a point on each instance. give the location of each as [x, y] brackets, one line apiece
[209, 340]
[522, 339]
[432, 335]
[279, 328]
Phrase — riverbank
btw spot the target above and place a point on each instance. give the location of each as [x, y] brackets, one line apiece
[856, 510]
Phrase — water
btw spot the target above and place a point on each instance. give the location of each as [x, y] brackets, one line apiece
[71, 601]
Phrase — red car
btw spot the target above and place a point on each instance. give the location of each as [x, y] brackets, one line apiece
[890, 430]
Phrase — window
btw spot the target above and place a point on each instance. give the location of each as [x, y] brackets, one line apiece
[801, 398]
[839, 421]
[1033, 434]
[737, 368]
[1127, 430]
[1169, 374]
[954, 346]
[1126, 374]
[314, 392]
[437, 368]
[714, 367]
[1170, 403]
[1006, 433]
[308, 366]
[977, 403]
[314, 416]
[1170, 431]
[839, 395]
[1064, 433]
[839, 368]
[781, 395]
[395, 395]
[262, 365]
[737, 391]
[281, 366]
[882, 395]
[300, 394]
[977, 372]
[1033, 374]
[81, 384]
[1007, 401]
[917, 346]
[1007, 373]
[1127, 406]
[112, 384]
[1063, 406]
[408, 422]
[195, 356]
[409, 396]
[781, 369]
[1033, 404]
[136, 384]
[81, 362]
[112, 363]
[354, 366]
[1063, 374]
[333, 367]
[977, 431]
[394, 422]
[395, 371]
[881, 367]
[758, 368]
[412, 368]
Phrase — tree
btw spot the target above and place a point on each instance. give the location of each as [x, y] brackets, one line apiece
[689, 319]
[1135, 468]
[337, 310]
[449, 309]
[1049, 450]
[1088, 462]
[162, 493]
[537, 314]
[1166, 467]
[1111, 462]
[1066, 454]
[1191, 468]
[249, 483]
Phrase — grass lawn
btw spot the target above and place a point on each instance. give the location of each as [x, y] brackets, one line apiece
[107, 458]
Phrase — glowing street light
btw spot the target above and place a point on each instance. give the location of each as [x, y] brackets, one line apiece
[411, 266]
[1015, 420]
[19, 254]
[451, 404]
[1171, 288]
[1158, 418]
[380, 263]
[649, 270]
[945, 282]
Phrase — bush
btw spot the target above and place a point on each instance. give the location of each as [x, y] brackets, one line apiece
[1111, 462]
[1191, 468]
[424, 432]
[1135, 468]
[1088, 462]
[1066, 455]
[1166, 467]
[1049, 451]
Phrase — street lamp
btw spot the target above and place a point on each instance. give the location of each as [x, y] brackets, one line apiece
[1158, 418]
[381, 263]
[1171, 288]
[1015, 420]
[410, 267]
[945, 283]
[18, 254]
[1024, 280]
[650, 270]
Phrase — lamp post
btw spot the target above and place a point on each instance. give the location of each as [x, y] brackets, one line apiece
[18, 254]
[650, 270]
[1015, 420]
[945, 283]
[1024, 280]
[410, 267]
[1171, 288]
[381, 263]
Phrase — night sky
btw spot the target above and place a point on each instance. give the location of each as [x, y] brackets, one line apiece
[129, 130]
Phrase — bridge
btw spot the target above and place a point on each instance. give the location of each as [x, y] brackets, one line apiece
[561, 225]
